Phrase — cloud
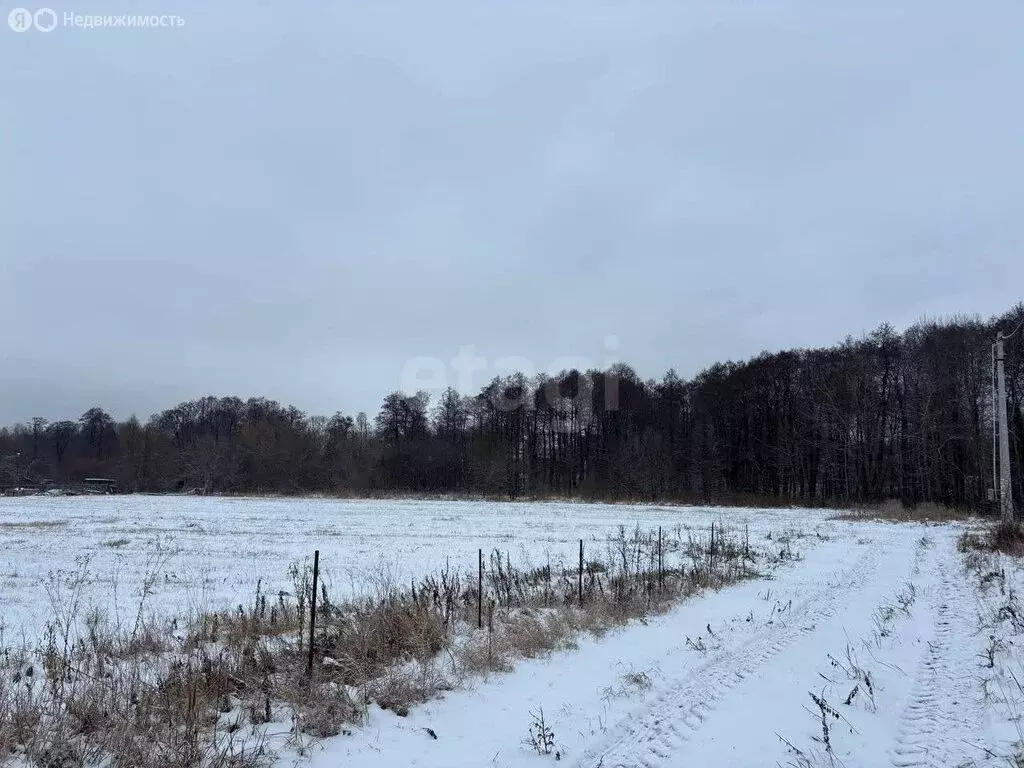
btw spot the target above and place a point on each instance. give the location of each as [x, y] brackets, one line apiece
[298, 203]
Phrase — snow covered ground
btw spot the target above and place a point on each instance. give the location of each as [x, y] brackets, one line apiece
[867, 653]
[211, 552]
[874, 649]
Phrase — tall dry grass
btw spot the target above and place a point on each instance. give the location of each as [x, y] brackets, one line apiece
[895, 511]
[1003, 536]
[228, 688]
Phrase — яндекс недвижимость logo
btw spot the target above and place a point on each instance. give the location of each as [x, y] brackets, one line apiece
[45, 20]
[22, 19]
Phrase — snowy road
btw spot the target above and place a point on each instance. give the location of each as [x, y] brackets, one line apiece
[864, 653]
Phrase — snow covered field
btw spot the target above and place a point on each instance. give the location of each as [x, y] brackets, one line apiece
[867, 653]
[876, 648]
[211, 552]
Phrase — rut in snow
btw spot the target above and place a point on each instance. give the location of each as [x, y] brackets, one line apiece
[940, 722]
[662, 730]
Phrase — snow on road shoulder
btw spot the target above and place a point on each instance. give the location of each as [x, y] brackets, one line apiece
[863, 652]
[996, 584]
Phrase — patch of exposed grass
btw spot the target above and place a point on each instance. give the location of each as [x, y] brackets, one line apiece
[1005, 537]
[33, 525]
[895, 511]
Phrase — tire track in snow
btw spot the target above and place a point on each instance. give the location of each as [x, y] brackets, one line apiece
[661, 731]
[943, 714]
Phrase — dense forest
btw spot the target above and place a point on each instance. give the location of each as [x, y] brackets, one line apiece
[891, 416]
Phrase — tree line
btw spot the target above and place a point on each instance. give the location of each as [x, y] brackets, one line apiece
[890, 416]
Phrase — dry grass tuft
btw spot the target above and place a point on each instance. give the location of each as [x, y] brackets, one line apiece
[32, 525]
[895, 511]
[1006, 537]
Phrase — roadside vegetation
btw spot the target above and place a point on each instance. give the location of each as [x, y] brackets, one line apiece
[896, 511]
[230, 688]
[994, 564]
[1006, 537]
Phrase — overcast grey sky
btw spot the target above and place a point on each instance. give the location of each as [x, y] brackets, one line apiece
[295, 201]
